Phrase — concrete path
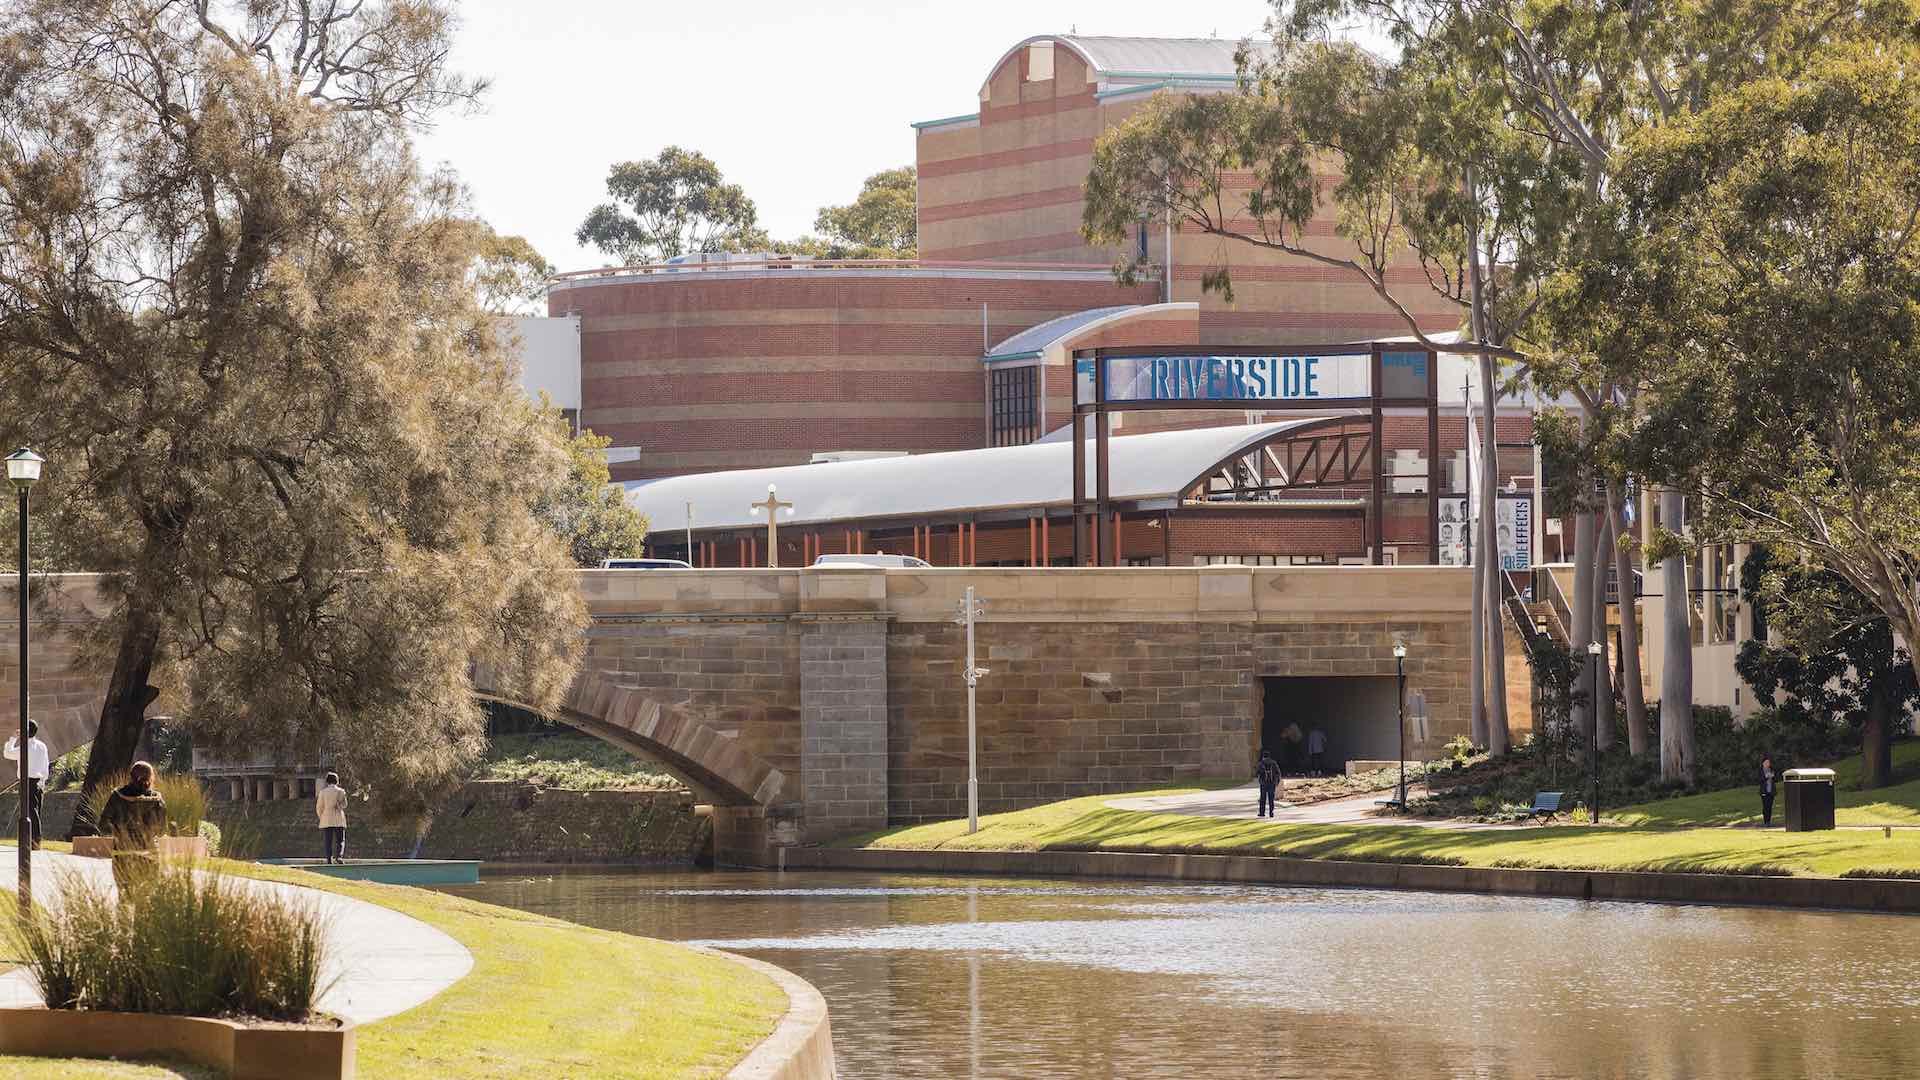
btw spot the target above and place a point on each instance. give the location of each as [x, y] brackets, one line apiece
[381, 962]
[1244, 802]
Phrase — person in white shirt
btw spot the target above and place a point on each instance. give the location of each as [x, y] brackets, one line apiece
[37, 772]
[330, 805]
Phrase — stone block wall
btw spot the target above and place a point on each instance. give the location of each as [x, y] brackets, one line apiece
[843, 725]
[494, 821]
[1067, 709]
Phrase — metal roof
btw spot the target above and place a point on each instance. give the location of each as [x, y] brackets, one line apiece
[1157, 465]
[1031, 341]
[1125, 56]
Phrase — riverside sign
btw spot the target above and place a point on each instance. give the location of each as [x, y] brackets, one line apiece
[1350, 384]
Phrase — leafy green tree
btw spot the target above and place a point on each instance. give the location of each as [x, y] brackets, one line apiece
[881, 222]
[1831, 651]
[510, 276]
[1764, 264]
[239, 322]
[587, 510]
[675, 204]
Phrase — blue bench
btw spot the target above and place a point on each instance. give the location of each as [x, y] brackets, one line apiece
[1545, 804]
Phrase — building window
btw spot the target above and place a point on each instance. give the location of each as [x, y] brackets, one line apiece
[1013, 400]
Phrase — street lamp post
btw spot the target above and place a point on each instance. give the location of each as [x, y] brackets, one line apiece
[969, 611]
[1594, 648]
[1400, 673]
[773, 508]
[23, 468]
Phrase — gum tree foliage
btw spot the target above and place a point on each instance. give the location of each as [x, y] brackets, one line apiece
[675, 204]
[510, 275]
[238, 320]
[1765, 265]
[587, 510]
[1830, 651]
[881, 222]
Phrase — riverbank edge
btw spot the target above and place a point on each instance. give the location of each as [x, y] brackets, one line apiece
[800, 1047]
[1883, 895]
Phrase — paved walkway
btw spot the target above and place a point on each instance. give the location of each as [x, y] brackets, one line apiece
[381, 962]
[1244, 802]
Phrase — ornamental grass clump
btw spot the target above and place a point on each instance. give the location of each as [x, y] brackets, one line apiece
[184, 942]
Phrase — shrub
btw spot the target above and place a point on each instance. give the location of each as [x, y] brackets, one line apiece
[183, 942]
[211, 833]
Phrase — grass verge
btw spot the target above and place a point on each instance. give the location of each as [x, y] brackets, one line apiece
[1088, 824]
[544, 998]
[1898, 804]
[569, 761]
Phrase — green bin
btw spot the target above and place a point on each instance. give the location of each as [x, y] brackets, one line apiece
[1809, 799]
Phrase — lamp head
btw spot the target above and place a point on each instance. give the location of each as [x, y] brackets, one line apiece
[1399, 650]
[23, 468]
[1594, 648]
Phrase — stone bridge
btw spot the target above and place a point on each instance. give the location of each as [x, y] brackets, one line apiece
[807, 704]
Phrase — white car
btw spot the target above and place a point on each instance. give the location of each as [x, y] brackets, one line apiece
[646, 564]
[879, 560]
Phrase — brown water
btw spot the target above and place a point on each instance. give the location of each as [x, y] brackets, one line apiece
[981, 977]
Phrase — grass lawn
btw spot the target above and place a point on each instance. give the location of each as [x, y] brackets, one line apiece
[544, 998]
[1088, 824]
[1898, 804]
[24, 1068]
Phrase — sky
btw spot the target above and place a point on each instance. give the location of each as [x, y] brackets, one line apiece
[798, 101]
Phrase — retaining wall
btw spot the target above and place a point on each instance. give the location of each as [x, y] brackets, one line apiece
[491, 820]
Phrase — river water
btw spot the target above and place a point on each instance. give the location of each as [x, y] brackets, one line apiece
[983, 977]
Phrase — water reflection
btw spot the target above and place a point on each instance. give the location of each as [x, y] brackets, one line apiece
[938, 977]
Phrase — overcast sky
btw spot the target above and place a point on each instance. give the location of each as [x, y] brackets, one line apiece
[796, 100]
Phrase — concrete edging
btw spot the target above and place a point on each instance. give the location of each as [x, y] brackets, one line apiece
[800, 1047]
[1888, 895]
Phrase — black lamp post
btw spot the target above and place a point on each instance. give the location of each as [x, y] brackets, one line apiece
[1400, 673]
[23, 468]
[1594, 649]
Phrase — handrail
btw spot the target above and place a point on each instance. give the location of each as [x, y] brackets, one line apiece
[1556, 602]
[804, 263]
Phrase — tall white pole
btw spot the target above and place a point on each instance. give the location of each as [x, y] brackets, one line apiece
[973, 774]
[690, 558]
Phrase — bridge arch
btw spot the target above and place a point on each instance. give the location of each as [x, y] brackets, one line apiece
[716, 766]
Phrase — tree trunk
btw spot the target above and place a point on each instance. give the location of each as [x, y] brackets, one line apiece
[1602, 670]
[1876, 746]
[1477, 647]
[1581, 631]
[1630, 689]
[1676, 674]
[1498, 737]
[124, 715]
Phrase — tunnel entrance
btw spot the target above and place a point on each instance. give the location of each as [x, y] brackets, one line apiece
[1356, 714]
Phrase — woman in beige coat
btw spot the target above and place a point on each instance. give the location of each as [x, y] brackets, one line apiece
[331, 807]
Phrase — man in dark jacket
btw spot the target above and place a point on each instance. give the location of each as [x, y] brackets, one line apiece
[1766, 791]
[1267, 772]
[134, 815]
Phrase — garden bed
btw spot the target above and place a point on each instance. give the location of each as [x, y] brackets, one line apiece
[269, 1051]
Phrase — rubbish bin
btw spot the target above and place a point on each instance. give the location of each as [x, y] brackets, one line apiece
[1809, 799]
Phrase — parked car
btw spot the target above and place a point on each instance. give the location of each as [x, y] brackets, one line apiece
[646, 564]
[878, 559]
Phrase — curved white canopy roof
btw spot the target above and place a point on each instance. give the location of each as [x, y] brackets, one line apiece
[1161, 464]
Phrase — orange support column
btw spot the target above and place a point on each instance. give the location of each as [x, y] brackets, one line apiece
[859, 541]
[1033, 543]
[973, 543]
[1119, 556]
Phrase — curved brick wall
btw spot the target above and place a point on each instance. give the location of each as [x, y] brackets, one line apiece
[747, 368]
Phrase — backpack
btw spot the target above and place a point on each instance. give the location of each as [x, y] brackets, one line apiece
[1269, 770]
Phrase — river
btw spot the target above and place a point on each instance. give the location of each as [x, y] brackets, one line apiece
[986, 977]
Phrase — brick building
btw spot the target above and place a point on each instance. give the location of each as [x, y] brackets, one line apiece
[723, 364]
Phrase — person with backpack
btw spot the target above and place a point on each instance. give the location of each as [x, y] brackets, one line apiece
[1267, 772]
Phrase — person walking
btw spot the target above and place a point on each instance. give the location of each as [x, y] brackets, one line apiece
[1267, 772]
[1766, 791]
[1317, 750]
[134, 815]
[330, 805]
[34, 786]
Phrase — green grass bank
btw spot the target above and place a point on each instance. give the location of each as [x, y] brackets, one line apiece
[1088, 824]
[544, 998]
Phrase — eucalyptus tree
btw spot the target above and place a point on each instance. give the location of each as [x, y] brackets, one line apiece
[1766, 260]
[239, 320]
[677, 203]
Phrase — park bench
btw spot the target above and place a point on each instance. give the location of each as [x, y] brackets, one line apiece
[1545, 804]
